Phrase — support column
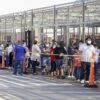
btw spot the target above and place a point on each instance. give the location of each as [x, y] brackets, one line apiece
[5, 31]
[13, 19]
[32, 26]
[55, 26]
[21, 27]
[79, 32]
[83, 20]
[68, 26]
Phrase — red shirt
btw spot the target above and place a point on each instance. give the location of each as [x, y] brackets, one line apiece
[77, 60]
[52, 56]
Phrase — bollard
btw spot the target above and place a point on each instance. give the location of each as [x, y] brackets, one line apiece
[91, 83]
[24, 65]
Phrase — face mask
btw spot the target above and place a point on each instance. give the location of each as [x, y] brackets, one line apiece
[54, 46]
[47, 45]
[89, 42]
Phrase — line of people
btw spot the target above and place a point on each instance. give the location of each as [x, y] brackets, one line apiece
[52, 60]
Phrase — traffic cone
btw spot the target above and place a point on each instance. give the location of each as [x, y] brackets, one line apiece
[24, 66]
[91, 83]
[3, 59]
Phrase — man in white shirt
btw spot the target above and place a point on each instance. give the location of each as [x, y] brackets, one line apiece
[87, 52]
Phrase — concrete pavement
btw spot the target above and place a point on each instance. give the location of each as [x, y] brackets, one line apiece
[36, 87]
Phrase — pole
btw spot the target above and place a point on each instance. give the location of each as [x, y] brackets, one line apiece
[21, 27]
[5, 31]
[14, 28]
[83, 20]
[55, 29]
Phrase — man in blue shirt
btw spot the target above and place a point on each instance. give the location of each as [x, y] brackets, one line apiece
[19, 52]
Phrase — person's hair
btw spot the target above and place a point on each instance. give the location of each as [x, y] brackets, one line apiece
[35, 42]
[88, 38]
[81, 41]
[76, 48]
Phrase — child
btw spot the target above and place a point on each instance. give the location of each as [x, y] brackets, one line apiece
[77, 64]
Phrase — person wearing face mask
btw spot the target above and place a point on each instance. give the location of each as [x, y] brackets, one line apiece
[87, 51]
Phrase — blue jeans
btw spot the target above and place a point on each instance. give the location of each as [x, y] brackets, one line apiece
[46, 61]
[7, 60]
[96, 68]
[18, 67]
[77, 72]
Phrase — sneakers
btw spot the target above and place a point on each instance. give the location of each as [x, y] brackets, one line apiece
[72, 76]
[69, 76]
[78, 80]
[82, 81]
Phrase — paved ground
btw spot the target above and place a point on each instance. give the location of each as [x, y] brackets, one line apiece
[29, 87]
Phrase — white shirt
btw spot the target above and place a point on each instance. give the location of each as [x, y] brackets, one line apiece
[10, 49]
[35, 53]
[87, 52]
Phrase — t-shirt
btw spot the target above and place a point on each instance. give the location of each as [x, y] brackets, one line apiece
[97, 55]
[87, 52]
[10, 49]
[19, 52]
[52, 56]
[77, 60]
[58, 51]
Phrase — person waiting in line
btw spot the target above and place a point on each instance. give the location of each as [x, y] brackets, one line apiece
[35, 56]
[70, 51]
[46, 59]
[19, 53]
[6, 56]
[53, 59]
[60, 51]
[87, 52]
[77, 64]
[10, 53]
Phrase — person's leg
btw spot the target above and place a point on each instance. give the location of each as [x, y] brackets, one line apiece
[15, 68]
[61, 69]
[21, 67]
[58, 68]
[70, 68]
[87, 71]
[52, 65]
[10, 60]
[75, 72]
[96, 67]
[83, 70]
[78, 73]
[34, 66]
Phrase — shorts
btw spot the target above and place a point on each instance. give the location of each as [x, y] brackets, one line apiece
[46, 61]
[59, 63]
[70, 61]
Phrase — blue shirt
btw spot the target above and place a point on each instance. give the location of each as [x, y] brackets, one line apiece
[97, 53]
[19, 52]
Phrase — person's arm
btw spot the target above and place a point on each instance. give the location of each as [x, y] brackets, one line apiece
[38, 49]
